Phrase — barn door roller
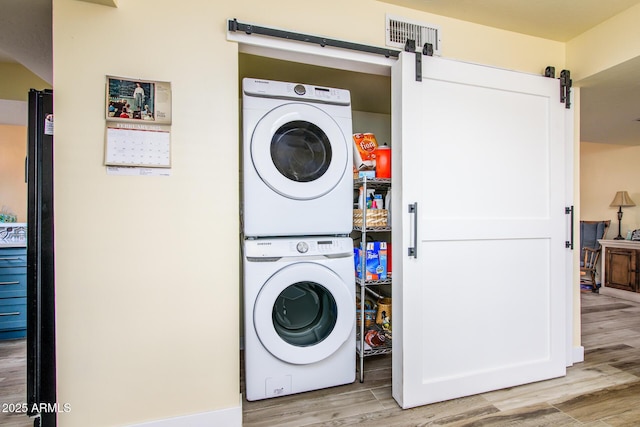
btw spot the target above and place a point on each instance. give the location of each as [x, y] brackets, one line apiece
[565, 84]
[565, 88]
[427, 50]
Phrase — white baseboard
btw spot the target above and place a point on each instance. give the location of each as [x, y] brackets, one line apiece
[578, 354]
[231, 417]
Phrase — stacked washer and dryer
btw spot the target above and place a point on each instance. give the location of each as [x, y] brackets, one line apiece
[299, 292]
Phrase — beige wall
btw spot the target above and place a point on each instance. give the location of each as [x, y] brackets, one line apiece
[604, 46]
[13, 188]
[606, 169]
[15, 82]
[148, 267]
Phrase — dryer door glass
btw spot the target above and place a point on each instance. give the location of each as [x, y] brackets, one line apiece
[304, 314]
[301, 151]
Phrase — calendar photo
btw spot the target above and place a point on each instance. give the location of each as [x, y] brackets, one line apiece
[136, 100]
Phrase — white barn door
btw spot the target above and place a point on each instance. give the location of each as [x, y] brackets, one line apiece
[481, 304]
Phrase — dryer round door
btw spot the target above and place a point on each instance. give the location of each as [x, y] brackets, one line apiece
[299, 151]
[304, 313]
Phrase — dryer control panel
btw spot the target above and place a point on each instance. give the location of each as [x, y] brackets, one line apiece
[285, 90]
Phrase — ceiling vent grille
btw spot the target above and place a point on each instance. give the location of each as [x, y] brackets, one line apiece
[399, 30]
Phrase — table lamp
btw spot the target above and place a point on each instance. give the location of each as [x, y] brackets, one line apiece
[621, 200]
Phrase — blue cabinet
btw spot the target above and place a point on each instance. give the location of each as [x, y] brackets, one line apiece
[13, 292]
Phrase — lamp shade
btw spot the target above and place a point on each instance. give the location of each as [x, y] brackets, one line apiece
[622, 199]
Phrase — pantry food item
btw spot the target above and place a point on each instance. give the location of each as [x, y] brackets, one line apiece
[383, 316]
[374, 338]
[364, 151]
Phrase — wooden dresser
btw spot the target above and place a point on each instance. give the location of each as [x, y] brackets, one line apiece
[621, 269]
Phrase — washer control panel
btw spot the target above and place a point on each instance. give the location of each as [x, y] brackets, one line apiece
[297, 246]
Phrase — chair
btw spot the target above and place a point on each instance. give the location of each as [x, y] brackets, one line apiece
[590, 233]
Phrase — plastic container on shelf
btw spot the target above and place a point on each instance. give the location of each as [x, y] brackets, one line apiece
[383, 161]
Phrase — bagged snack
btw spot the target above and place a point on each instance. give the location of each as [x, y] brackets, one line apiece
[364, 149]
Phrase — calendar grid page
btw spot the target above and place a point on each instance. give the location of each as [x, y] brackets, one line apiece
[135, 147]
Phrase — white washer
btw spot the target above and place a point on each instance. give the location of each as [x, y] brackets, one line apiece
[297, 159]
[299, 315]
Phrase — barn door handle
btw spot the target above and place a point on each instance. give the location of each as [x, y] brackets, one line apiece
[413, 250]
[569, 243]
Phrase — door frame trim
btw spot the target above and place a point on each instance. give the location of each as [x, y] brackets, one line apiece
[328, 57]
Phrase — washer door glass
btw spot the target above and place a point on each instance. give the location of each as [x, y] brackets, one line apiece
[304, 313]
[299, 151]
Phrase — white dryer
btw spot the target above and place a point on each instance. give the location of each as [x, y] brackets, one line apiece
[297, 159]
[299, 315]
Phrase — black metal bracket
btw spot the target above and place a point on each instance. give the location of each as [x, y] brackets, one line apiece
[565, 84]
[410, 46]
[234, 25]
[569, 243]
[550, 72]
[427, 49]
[565, 88]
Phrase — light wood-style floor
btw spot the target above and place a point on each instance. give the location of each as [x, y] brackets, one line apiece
[602, 391]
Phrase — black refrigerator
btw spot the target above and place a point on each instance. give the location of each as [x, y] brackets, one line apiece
[41, 351]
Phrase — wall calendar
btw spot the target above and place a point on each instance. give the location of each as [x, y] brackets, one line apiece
[138, 117]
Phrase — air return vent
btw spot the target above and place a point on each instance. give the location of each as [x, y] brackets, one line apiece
[399, 30]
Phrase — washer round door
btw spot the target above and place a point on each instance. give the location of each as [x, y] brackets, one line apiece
[304, 313]
[299, 151]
